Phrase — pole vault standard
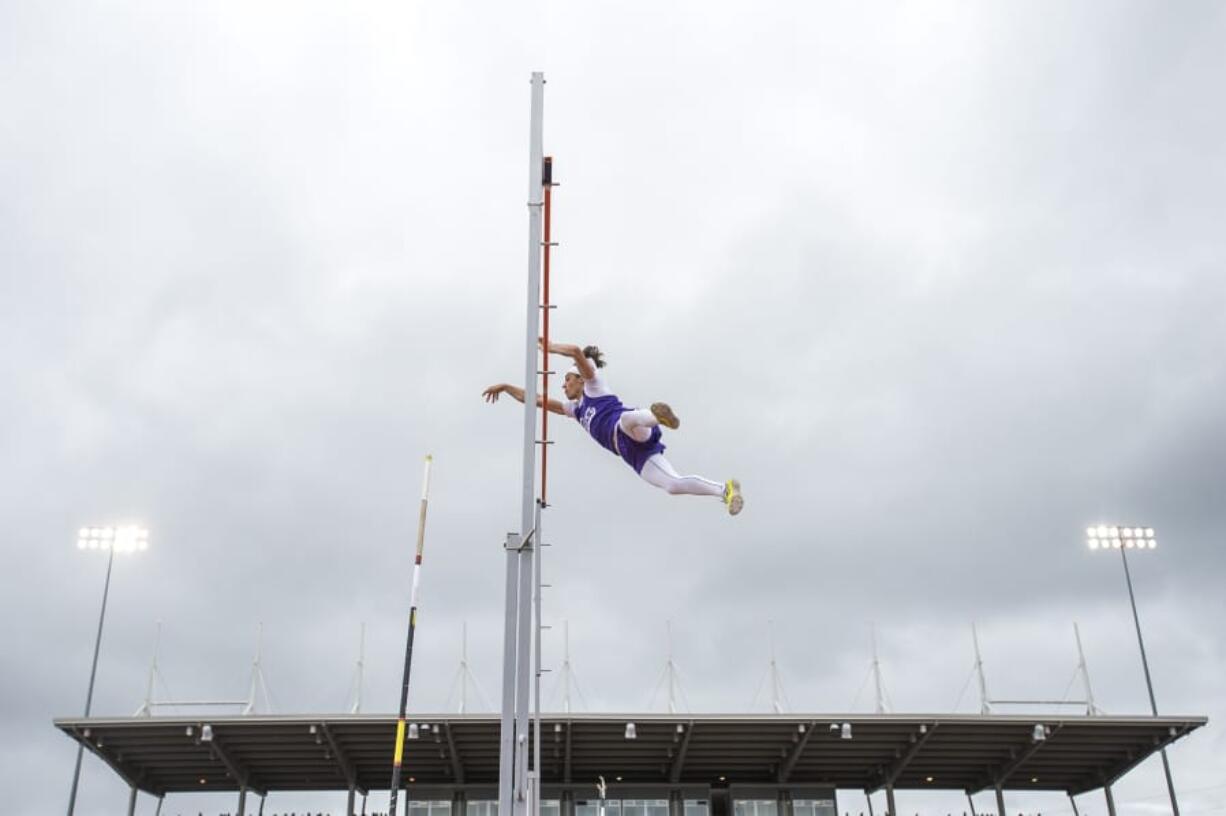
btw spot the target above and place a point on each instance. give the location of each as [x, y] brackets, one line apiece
[547, 182]
[398, 753]
[521, 547]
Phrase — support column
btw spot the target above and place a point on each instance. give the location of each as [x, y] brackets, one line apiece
[349, 801]
[1110, 800]
[868, 797]
[889, 799]
[242, 800]
[506, 747]
[1000, 801]
[517, 641]
[132, 802]
[1071, 800]
[263, 796]
[970, 801]
[523, 677]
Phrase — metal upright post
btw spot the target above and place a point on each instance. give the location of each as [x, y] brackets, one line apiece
[880, 697]
[506, 746]
[517, 641]
[776, 684]
[1149, 685]
[132, 802]
[984, 706]
[242, 800]
[889, 799]
[536, 674]
[1110, 800]
[566, 667]
[361, 669]
[523, 678]
[672, 679]
[1091, 709]
[464, 667]
[93, 672]
[1000, 801]
[146, 708]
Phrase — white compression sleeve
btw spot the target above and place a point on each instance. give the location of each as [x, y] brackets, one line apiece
[638, 424]
[660, 472]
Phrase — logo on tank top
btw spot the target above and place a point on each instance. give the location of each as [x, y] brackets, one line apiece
[586, 419]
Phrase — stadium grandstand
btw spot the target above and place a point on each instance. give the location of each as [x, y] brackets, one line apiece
[631, 764]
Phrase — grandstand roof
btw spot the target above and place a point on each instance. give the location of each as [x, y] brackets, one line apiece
[961, 752]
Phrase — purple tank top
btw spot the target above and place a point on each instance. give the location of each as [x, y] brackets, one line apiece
[598, 416]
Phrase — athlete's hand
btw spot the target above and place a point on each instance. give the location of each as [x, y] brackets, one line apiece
[492, 393]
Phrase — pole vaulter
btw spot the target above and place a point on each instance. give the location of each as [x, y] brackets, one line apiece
[398, 753]
[632, 434]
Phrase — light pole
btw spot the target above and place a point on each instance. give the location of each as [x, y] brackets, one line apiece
[1104, 537]
[113, 540]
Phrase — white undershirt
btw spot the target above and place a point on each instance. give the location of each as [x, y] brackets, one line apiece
[594, 387]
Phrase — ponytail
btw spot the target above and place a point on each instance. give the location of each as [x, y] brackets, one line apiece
[594, 354]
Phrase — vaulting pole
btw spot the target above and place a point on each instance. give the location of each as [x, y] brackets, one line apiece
[398, 754]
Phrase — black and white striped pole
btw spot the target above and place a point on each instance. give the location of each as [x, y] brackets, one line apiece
[398, 755]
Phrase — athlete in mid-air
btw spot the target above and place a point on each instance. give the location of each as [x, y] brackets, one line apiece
[631, 433]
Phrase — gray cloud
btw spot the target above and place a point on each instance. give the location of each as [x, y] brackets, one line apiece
[941, 285]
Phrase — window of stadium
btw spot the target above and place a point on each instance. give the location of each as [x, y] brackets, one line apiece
[591, 807]
[697, 807]
[813, 807]
[755, 807]
[439, 808]
[644, 807]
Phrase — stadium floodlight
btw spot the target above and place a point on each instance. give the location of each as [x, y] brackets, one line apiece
[128, 538]
[1115, 538]
[631, 731]
[845, 732]
[1125, 539]
[413, 731]
[1040, 733]
[206, 733]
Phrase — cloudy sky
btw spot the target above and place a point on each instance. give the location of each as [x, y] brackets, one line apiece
[941, 283]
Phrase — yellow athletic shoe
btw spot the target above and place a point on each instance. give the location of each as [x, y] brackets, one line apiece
[732, 496]
[664, 415]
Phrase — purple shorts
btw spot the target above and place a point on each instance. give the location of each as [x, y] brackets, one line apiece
[634, 453]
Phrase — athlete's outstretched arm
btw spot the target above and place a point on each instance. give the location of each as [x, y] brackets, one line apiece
[492, 393]
[586, 370]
